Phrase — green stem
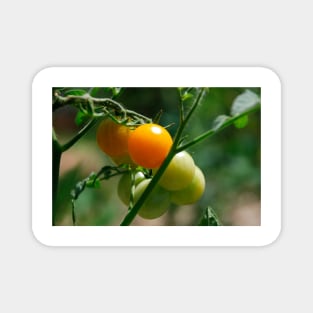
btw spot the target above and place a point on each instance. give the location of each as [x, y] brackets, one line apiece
[132, 211]
[56, 158]
[57, 151]
[101, 103]
[212, 132]
[81, 133]
[185, 120]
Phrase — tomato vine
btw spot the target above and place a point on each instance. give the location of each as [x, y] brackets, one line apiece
[92, 108]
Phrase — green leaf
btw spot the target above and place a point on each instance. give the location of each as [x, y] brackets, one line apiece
[186, 96]
[244, 102]
[241, 122]
[116, 91]
[94, 91]
[219, 121]
[209, 218]
[75, 92]
[81, 118]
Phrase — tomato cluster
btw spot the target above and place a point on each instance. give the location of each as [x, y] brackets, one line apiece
[183, 179]
[147, 146]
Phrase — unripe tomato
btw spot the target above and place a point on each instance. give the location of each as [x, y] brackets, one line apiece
[179, 172]
[157, 202]
[124, 185]
[112, 138]
[149, 144]
[193, 192]
[123, 159]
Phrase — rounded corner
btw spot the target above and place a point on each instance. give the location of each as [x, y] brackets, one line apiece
[40, 74]
[273, 238]
[271, 73]
[39, 239]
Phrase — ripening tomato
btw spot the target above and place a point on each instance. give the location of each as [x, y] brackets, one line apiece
[112, 138]
[123, 159]
[124, 185]
[157, 202]
[179, 172]
[193, 192]
[149, 144]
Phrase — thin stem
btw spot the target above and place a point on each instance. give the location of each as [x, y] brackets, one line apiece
[212, 132]
[185, 120]
[81, 133]
[73, 213]
[132, 191]
[104, 104]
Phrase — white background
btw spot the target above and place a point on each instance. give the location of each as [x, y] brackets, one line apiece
[37, 34]
[262, 77]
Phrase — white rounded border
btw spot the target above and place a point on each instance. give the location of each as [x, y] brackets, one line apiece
[161, 235]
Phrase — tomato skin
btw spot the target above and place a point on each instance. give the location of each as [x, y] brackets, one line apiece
[193, 192]
[124, 185]
[112, 138]
[157, 202]
[123, 159]
[149, 145]
[179, 172]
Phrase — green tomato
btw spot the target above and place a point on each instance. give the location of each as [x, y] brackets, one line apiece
[124, 185]
[192, 193]
[179, 172]
[157, 202]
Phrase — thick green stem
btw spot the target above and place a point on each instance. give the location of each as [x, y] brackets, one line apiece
[56, 158]
[132, 211]
[57, 151]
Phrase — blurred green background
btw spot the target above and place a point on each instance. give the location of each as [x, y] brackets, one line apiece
[230, 161]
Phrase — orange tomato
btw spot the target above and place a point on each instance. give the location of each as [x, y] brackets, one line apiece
[112, 138]
[149, 144]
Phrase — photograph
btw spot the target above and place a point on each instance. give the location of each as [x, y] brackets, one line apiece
[156, 156]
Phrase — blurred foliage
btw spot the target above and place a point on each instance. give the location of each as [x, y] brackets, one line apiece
[230, 160]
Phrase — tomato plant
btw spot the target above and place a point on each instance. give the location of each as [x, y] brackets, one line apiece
[149, 144]
[155, 170]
